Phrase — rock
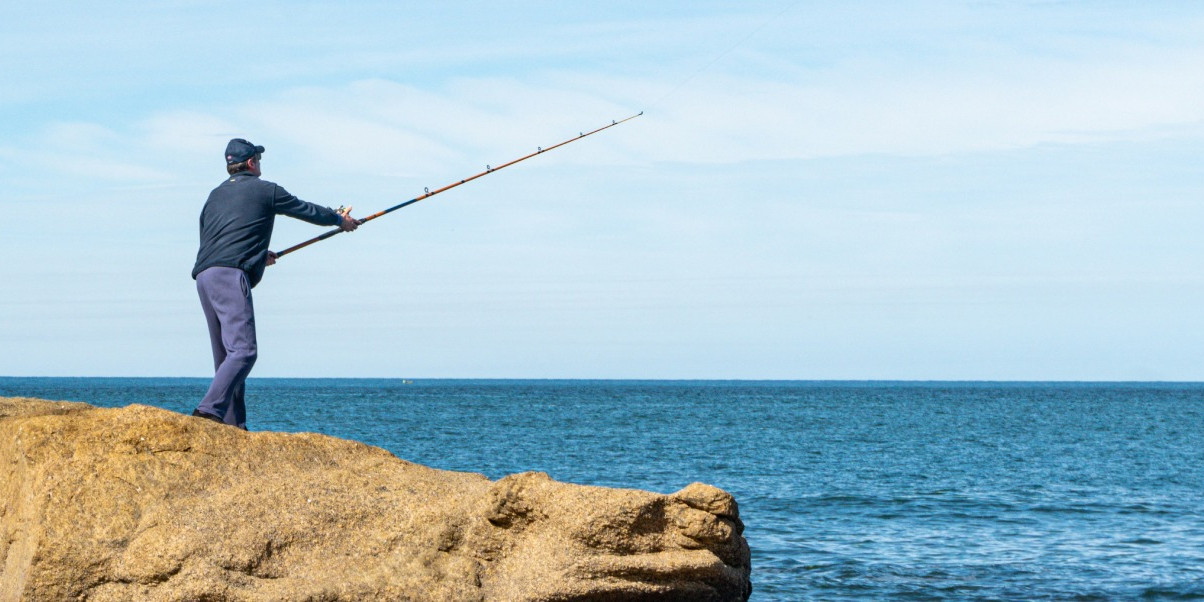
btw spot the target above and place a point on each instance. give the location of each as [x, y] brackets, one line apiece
[142, 503]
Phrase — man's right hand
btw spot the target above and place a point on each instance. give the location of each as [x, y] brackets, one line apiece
[349, 224]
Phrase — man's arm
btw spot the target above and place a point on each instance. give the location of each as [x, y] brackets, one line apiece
[287, 204]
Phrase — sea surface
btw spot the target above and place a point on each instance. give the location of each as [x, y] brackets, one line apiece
[849, 490]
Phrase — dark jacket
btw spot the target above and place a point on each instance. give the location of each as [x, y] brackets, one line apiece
[237, 220]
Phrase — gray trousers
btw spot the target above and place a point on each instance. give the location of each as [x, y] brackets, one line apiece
[226, 300]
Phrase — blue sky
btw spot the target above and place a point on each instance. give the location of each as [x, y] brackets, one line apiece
[871, 190]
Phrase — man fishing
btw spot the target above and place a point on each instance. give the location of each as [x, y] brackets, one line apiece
[236, 229]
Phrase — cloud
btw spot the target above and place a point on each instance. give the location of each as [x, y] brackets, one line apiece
[896, 108]
[86, 151]
[185, 131]
[920, 78]
[389, 129]
[893, 106]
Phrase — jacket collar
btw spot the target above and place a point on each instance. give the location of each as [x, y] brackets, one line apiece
[241, 174]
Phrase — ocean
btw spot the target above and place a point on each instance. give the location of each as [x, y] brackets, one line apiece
[849, 490]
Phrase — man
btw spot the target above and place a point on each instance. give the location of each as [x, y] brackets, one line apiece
[236, 229]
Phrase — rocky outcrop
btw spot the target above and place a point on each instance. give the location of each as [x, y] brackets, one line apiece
[142, 503]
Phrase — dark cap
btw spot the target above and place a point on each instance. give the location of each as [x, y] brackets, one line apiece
[240, 150]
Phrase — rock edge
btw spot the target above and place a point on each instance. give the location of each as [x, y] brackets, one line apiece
[142, 503]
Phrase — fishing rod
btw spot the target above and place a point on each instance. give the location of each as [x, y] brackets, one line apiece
[428, 193]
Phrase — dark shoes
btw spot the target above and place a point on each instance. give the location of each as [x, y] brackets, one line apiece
[200, 414]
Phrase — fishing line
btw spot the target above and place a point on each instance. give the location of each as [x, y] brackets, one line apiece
[729, 50]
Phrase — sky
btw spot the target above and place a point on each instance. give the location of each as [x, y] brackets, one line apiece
[879, 190]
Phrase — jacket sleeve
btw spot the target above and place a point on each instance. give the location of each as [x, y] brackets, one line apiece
[287, 204]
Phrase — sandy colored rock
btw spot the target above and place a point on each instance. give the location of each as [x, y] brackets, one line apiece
[142, 503]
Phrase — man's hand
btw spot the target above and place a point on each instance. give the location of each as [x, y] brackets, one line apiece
[349, 224]
[271, 258]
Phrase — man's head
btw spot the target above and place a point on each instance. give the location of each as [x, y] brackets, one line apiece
[242, 156]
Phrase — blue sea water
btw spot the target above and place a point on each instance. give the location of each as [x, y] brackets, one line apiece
[849, 490]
